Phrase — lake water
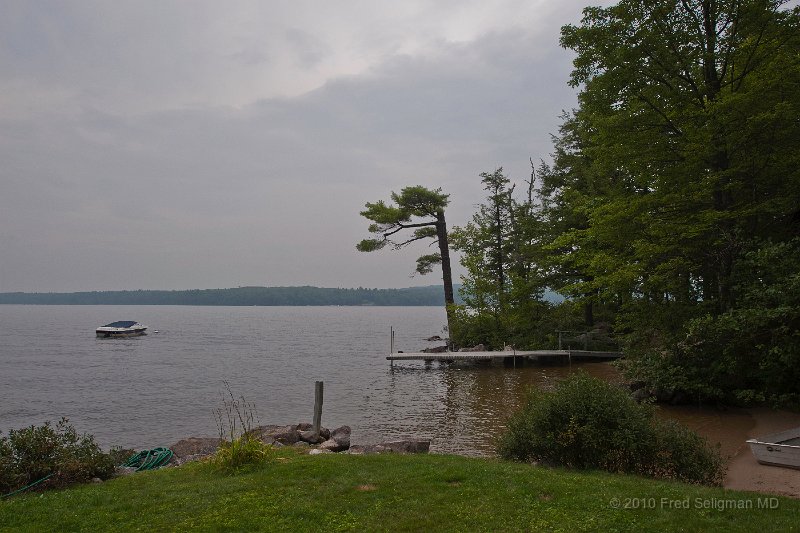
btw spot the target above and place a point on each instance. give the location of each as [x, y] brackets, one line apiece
[150, 391]
[153, 390]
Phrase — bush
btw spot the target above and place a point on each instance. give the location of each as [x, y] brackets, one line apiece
[242, 453]
[587, 423]
[239, 449]
[683, 455]
[30, 454]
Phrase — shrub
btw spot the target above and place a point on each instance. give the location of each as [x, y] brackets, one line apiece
[587, 423]
[242, 453]
[683, 455]
[32, 453]
[239, 449]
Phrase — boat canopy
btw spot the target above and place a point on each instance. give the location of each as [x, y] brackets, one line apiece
[120, 324]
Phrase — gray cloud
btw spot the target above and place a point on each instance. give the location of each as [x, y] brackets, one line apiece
[130, 162]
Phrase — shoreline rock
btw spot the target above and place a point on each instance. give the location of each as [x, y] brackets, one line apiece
[398, 446]
[299, 436]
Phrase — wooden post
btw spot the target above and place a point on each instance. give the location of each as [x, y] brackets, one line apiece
[391, 344]
[317, 409]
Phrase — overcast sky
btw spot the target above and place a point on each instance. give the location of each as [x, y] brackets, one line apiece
[207, 144]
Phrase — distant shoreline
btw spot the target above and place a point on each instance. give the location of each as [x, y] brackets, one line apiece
[431, 295]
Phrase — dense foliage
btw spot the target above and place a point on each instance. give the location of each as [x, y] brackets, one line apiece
[669, 213]
[30, 454]
[587, 423]
[502, 290]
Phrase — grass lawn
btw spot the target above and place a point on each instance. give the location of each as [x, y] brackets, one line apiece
[392, 492]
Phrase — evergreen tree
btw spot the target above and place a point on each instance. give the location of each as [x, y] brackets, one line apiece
[501, 293]
[421, 210]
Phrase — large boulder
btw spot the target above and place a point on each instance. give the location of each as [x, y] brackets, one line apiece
[310, 437]
[277, 434]
[339, 440]
[307, 435]
[195, 446]
[331, 445]
[342, 436]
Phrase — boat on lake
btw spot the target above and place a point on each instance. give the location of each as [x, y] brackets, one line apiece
[779, 449]
[123, 328]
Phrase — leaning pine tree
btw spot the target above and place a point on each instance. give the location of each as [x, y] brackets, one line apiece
[418, 209]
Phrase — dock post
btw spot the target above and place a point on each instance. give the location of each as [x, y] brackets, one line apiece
[317, 409]
[391, 344]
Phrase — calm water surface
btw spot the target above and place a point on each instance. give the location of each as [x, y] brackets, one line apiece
[153, 390]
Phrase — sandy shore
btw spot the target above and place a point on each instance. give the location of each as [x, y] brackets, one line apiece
[744, 472]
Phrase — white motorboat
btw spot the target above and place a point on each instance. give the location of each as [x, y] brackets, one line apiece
[778, 449]
[123, 328]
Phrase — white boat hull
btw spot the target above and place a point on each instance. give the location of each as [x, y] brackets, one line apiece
[123, 328]
[134, 333]
[779, 449]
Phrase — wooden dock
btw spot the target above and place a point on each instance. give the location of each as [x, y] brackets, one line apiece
[508, 357]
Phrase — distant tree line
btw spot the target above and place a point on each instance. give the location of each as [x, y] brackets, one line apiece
[272, 296]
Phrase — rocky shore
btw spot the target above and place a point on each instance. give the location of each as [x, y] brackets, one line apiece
[299, 436]
[744, 473]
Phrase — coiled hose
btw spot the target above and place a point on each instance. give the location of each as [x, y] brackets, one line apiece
[149, 459]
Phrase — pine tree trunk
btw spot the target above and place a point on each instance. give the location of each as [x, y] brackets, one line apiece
[447, 276]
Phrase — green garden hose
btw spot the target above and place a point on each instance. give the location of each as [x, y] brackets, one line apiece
[26, 487]
[149, 459]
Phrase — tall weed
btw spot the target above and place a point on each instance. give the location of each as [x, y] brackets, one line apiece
[239, 448]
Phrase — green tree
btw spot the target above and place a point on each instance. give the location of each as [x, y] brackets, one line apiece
[486, 242]
[681, 158]
[503, 287]
[685, 105]
[421, 210]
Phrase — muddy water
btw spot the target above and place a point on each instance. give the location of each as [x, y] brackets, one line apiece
[477, 400]
[482, 398]
[490, 392]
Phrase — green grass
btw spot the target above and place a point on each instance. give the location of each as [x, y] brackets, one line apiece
[387, 492]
